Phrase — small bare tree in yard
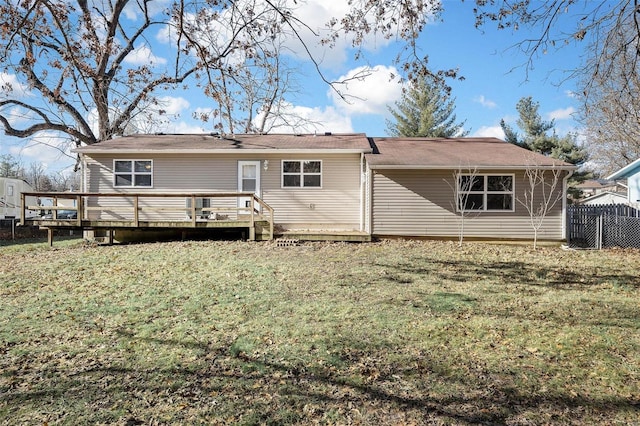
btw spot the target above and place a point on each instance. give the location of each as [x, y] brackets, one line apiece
[465, 202]
[542, 192]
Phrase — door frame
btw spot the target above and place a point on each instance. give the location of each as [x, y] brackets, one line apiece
[257, 164]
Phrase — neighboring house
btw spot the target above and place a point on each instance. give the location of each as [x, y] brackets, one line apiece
[604, 198]
[631, 173]
[414, 182]
[330, 182]
[591, 187]
[10, 201]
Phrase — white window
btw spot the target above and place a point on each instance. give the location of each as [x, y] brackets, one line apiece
[201, 203]
[485, 192]
[133, 173]
[301, 174]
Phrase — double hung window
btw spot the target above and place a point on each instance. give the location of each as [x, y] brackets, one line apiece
[485, 193]
[133, 173]
[302, 174]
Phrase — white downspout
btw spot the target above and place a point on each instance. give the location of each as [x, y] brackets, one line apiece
[370, 198]
[362, 193]
[83, 175]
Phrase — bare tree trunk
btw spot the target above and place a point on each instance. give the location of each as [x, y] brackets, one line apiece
[462, 184]
[540, 196]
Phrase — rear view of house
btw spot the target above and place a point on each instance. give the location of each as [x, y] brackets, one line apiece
[327, 186]
[312, 182]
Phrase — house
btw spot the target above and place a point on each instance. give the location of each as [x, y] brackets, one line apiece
[325, 184]
[312, 182]
[10, 190]
[592, 187]
[605, 197]
[631, 173]
[414, 184]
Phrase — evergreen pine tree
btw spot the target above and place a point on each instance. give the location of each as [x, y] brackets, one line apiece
[425, 110]
[536, 138]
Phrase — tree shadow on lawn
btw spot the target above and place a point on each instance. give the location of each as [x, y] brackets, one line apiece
[519, 278]
[513, 272]
[227, 385]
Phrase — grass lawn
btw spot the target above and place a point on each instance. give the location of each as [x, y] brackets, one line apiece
[395, 332]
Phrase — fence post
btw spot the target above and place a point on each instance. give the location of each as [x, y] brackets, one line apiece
[569, 225]
[600, 231]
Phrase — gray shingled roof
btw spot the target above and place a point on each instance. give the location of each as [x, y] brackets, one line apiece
[428, 153]
[211, 143]
[440, 153]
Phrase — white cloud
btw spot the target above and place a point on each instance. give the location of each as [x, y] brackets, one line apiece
[52, 150]
[142, 55]
[487, 103]
[301, 119]
[571, 94]
[326, 119]
[133, 12]
[18, 116]
[10, 86]
[489, 132]
[562, 114]
[321, 12]
[173, 105]
[367, 95]
[181, 127]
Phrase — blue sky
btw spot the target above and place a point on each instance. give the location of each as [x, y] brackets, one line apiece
[494, 80]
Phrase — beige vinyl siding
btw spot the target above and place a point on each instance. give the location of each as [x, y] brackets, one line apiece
[336, 205]
[171, 174]
[421, 203]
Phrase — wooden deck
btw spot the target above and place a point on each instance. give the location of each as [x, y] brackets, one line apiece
[108, 213]
[135, 211]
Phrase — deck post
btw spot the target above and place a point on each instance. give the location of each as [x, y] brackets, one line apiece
[22, 210]
[79, 210]
[252, 223]
[271, 227]
[193, 210]
[136, 217]
[50, 236]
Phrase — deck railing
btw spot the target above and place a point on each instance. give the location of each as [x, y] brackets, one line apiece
[241, 207]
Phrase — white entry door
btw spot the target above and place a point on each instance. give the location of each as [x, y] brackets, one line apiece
[248, 180]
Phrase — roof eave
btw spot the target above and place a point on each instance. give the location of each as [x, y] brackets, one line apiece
[451, 167]
[226, 151]
[626, 171]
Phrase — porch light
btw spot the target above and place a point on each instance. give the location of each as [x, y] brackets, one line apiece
[265, 165]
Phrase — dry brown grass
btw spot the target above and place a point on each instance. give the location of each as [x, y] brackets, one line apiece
[395, 332]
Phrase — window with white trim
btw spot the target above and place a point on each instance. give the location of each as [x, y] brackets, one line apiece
[133, 173]
[301, 174]
[486, 192]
